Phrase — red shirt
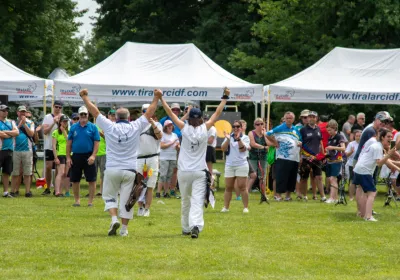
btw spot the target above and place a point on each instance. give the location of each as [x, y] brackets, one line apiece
[324, 133]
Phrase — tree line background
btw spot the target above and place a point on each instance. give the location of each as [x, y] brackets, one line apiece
[259, 41]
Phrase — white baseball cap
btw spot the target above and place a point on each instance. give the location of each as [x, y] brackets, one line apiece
[83, 109]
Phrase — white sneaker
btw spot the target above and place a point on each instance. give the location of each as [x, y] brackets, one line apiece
[123, 233]
[140, 212]
[245, 210]
[330, 200]
[113, 228]
[146, 213]
[224, 210]
[372, 219]
[323, 199]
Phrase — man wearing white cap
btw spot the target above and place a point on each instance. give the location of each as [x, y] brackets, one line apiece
[83, 143]
[149, 151]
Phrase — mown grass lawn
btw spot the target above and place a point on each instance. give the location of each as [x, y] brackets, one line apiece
[46, 238]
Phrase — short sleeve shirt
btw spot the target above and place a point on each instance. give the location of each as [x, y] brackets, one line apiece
[213, 132]
[49, 119]
[22, 142]
[122, 140]
[235, 156]
[311, 140]
[334, 155]
[176, 130]
[169, 153]
[366, 163]
[61, 143]
[192, 155]
[7, 143]
[288, 139]
[83, 137]
[367, 134]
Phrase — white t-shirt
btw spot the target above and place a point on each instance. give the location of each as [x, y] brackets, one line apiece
[366, 163]
[170, 152]
[395, 136]
[235, 157]
[47, 139]
[122, 139]
[212, 132]
[367, 144]
[352, 145]
[148, 144]
[192, 155]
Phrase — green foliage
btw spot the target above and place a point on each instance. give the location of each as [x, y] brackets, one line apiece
[38, 36]
[284, 240]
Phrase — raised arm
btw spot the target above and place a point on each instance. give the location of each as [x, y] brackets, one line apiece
[180, 124]
[153, 106]
[93, 110]
[219, 110]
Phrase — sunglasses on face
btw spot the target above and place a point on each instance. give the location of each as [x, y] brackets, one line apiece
[58, 107]
[83, 114]
[257, 124]
[4, 111]
[76, 119]
[236, 126]
[29, 117]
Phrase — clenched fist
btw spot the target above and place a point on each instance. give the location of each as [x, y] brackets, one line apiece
[158, 93]
[83, 92]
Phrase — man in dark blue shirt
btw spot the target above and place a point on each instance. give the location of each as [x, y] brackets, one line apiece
[83, 142]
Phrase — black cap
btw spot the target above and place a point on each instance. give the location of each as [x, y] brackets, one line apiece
[63, 118]
[58, 103]
[195, 113]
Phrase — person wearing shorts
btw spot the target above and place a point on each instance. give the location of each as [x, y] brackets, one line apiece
[8, 130]
[149, 151]
[235, 147]
[60, 136]
[23, 155]
[83, 143]
[369, 159]
[334, 152]
[168, 155]
[50, 122]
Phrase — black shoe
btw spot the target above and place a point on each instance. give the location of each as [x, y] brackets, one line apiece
[12, 194]
[158, 195]
[46, 192]
[28, 194]
[186, 232]
[167, 195]
[195, 232]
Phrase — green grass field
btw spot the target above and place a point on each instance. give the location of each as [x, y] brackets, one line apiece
[46, 238]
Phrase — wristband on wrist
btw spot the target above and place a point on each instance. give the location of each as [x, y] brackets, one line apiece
[225, 97]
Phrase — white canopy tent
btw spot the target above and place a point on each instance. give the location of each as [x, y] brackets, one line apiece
[182, 71]
[15, 83]
[345, 76]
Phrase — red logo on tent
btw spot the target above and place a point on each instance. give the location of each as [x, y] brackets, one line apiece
[286, 96]
[72, 91]
[244, 96]
[29, 90]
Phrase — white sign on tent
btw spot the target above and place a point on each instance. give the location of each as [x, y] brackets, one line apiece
[182, 71]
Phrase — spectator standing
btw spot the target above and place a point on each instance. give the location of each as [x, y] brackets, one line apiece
[235, 146]
[303, 119]
[101, 158]
[60, 137]
[350, 153]
[83, 143]
[359, 125]
[334, 152]
[111, 115]
[211, 157]
[311, 147]
[74, 118]
[168, 158]
[8, 130]
[122, 138]
[287, 139]
[176, 109]
[148, 157]
[23, 153]
[346, 128]
[50, 122]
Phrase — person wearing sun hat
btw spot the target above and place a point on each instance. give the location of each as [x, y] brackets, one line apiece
[8, 130]
[23, 153]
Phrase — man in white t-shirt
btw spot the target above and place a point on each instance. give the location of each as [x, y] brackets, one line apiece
[50, 123]
[122, 150]
[149, 151]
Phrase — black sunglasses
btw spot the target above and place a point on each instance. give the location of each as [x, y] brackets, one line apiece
[82, 114]
[76, 119]
[236, 126]
[4, 110]
[257, 124]
[58, 107]
[30, 117]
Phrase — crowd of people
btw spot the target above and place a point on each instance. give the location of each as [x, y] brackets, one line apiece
[179, 151]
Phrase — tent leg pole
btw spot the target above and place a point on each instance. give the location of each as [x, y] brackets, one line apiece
[268, 128]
